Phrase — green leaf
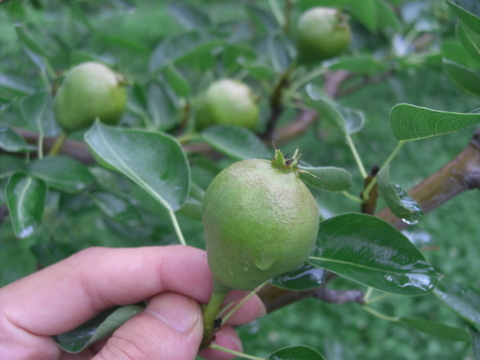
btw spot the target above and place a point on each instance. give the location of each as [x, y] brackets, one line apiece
[236, 142]
[461, 298]
[188, 15]
[398, 201]
[468, 12]
[326, 178]
[182, 47]
[300, 352]
[12, 142]
[49, 252]
[96, 329]
[26, 197]
[177, 81]
[38, 111]
[61, 173]
[263, 19]
[305, 277]
[455, 52]
[475, 334]
[367, 250]
[259, 70]
[162, 105]
[410, 122]
[470, 41]
[28, 41]
[386, 16]
[234, 54]
[277, 52]
[118, 207]
[347, 121]
[362, 64]
[436, 329]
[466, 80]
[155, 162]
[17, 84]
[16, 261]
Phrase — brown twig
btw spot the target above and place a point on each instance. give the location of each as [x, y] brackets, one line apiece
[460, 174]
[368, 80]
[368, 206]
[79, 151]
[276, 103]
[3, 213]
[275, 298]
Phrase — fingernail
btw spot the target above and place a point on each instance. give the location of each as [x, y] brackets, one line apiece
[176, 311]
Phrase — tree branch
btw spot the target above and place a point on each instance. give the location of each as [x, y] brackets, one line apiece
[79, 150]
[460, 174]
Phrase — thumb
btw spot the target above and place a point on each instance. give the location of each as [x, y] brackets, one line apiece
[170, 328]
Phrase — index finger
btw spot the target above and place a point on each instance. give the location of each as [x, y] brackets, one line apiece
[95, 279]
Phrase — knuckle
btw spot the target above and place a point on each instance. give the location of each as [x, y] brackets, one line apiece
[121, 348]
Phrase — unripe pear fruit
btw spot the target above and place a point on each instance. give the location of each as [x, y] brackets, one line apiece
[227, 102]
[322, 33]
[260, 221]
[89, 91]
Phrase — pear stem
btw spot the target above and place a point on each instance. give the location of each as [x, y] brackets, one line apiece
[57, 146]
[210, 314]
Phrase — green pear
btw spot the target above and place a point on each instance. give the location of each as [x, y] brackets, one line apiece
[90, 91]
[322, 33]
[260, 221]
[227, 102]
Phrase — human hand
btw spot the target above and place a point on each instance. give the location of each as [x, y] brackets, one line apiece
[59, 298]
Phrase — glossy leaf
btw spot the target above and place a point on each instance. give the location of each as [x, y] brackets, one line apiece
[26, 197]
[236, 142]
[361, 64]
[461, 298]
[410, 122]
[188, 15]
[38, 111]
[305, 277]
[326, 178]
[468, 11]
[155, 162]
[398, 201]
[475, 334]
[115, 206]
[470, 40]
[436, 329]
[61, 173]
[300, 352]
[12, 142]
[96, 329]
[466, 80]
[366, 249]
